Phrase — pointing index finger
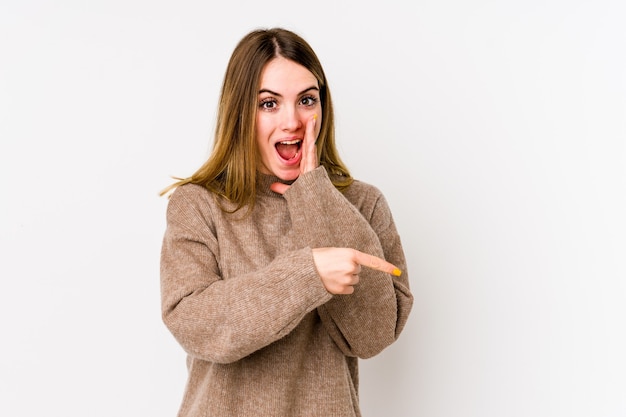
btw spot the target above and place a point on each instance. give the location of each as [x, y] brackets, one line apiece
[377, 263]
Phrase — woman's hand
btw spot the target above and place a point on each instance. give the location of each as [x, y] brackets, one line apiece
[309, 149]
[309, 155]
[339, 268]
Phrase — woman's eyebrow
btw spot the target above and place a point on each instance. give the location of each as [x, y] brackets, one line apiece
[267, 90]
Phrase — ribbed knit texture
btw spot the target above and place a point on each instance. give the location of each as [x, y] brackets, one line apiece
[243, 298]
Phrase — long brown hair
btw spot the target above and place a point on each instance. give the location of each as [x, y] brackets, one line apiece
[231, 169]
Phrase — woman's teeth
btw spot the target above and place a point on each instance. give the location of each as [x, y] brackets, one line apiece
[288, 149]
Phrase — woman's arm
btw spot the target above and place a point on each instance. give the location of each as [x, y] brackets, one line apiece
[365, 322]
[224, 320]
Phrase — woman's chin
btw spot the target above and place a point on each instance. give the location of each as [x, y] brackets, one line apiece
[289, 175]
[287, 169]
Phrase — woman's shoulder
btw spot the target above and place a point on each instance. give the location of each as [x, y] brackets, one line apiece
[191, 197]
[362, 188]
[364, 195]
[370, 201]
[189, 192]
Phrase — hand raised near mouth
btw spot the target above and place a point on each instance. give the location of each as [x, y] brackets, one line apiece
[309, 159]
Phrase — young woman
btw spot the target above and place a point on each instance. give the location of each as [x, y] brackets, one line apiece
[278, 269]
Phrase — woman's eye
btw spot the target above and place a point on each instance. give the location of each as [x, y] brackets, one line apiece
[308, 100]
[268, 104]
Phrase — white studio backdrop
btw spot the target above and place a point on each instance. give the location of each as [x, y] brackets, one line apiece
[496, 130]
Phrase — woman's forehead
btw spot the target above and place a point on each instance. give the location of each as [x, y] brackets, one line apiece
[284, 76]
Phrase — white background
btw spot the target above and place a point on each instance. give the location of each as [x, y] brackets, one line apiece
[497, 131]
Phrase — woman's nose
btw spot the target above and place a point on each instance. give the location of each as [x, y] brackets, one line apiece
[290, 119]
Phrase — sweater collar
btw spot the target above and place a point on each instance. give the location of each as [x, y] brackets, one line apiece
[263, 182]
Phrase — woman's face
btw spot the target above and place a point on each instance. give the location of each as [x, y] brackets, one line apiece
[288, 97]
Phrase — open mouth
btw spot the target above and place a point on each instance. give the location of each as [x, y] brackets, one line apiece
[288, 149]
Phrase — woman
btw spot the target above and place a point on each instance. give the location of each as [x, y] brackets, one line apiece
[261, 274]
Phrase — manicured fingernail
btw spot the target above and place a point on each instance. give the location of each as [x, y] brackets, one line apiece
[396, 272]
[315, 116]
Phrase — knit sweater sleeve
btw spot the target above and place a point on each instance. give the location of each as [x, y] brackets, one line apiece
[365, 322]
[223, 320]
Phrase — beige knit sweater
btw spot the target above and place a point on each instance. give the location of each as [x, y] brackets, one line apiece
[242, 297]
